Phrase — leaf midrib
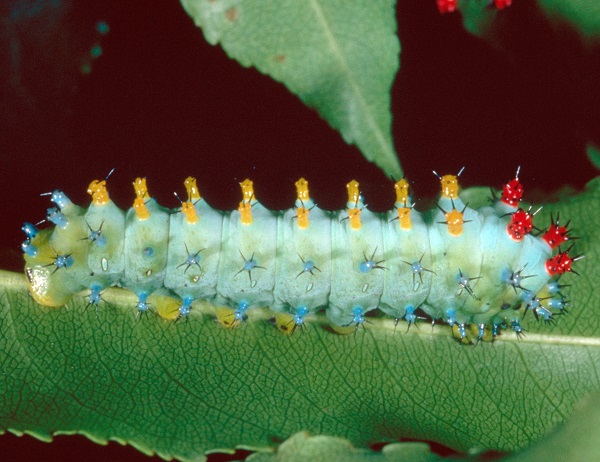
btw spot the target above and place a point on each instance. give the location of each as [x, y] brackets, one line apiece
[116, 296]
[341, 59]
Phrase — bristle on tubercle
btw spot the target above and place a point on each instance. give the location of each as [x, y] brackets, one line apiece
[472, 269]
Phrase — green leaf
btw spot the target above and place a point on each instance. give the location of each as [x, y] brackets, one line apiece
[583, 15]
[477, 16]
[575, 440]
[302, 447]
[338, 56]
[593, 153]
[181, 389]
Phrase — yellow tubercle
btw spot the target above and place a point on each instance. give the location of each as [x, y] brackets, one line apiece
[247, 190]
[449, 185]
[188, 209]
[225, 316]
[97, 189]
[245, 207]
[401, 188]
[354, 217]
[192, 190]
[284, 322]
[404, 218]
[353, 192]
[139, 203]
[302, 190]
[302, 217]
[354, 198]
[455, 222]
[141, 190]
[166, 307]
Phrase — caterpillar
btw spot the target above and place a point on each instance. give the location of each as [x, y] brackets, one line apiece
[471, 269]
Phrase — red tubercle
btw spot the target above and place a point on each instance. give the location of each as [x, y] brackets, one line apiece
[556, 235]
[562, 263]
[559, 264]
[447, 6]
[512, 192]
[521, 224]
[501, 4]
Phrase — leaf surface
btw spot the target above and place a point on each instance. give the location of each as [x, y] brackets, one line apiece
[582, 15]
[181, 389]
[340, 57]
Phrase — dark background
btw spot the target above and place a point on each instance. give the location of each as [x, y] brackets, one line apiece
[162, 103]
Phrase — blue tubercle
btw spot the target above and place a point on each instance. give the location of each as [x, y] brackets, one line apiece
[142, 304]
[544, 313]
[185, 307]
[63, 261]
[240, 313]
[192, 259]
[516, 327]
[60, 199]
[450, 316]
[95, 296]
[558, 303]
[496, 327]
[309, 266]
[249, 265]
[358, 314]
[366, 266]
[299, 316]
[28, 248]
[417, 269]
[96, 236]
[57, 217]
[30, 230]
[410, 317]
[480, 331]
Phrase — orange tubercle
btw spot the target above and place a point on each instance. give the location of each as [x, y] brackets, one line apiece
[449, 184]
[245, 207]
[97, 189]
[139, 203]
[455, 222]
[187, 208]
[192, 190]
[302, 190]
[354, 217]
[404, 218]
[401, 188]
[353, 192]
[302, 217]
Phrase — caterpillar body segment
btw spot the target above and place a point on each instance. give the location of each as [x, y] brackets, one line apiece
[194, 249]
[303, 262]
[408, 275]
[145, 247]
[247, 259]
[106, 246]
[356, 277]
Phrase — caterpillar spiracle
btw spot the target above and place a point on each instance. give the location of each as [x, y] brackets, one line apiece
[472, 269]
